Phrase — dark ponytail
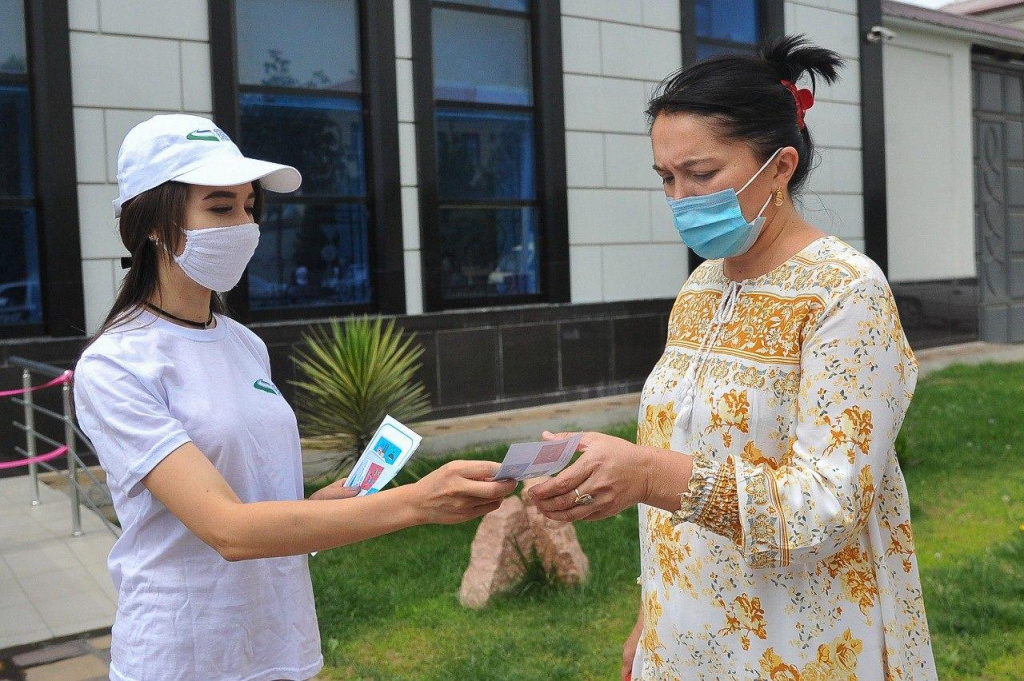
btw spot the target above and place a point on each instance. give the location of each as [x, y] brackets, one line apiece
[745, 97]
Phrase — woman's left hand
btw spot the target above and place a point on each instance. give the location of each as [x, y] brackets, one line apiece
[335, 490]
[611, 470]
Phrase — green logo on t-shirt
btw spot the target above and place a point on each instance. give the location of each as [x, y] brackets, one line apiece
[265, 386]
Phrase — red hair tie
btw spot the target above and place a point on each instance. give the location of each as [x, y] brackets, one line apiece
[804, 101]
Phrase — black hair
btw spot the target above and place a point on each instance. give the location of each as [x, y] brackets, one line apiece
[746, 98]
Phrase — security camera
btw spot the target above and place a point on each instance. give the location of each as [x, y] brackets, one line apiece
[878, 33]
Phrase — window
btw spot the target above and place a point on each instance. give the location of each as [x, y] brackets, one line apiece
[35, 103]
[300, 93]
[714, 27]
[20, 292]
[489, 198]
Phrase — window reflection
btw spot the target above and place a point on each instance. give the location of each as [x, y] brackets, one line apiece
[733, 20]
[310, 44]
[299, 104]
[12, 37]
[482, 58]
[21, 300]
[311, 255]
[483, 154]
[322, 137]
[489, 252]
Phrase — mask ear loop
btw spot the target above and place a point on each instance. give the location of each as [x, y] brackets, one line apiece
[761, 170]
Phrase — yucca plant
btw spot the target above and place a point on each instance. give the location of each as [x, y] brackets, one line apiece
[351, 376]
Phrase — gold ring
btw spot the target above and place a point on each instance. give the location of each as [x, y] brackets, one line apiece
[583, 499]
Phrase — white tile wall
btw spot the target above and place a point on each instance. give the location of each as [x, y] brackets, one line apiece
[602, 216]
[407, 154]
[413, 282]
[184, 19]
[99, 237]
[661, 14]
[196, 84]
[403, 29]
[663, 229]
[90, 152]
[585, 159]
[626, 11]
[628, 161]
[133, 73]
[639, 52]
[99, 289]
[835, 125]
[604, 104]
[130, 59]
[581, 45]
[586, 274]
[828, 28]
[404, 85]
[84, 15]
[643, 271]
[410, 218]
[618, 220]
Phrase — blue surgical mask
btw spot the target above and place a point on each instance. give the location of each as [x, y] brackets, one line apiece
[713, 226]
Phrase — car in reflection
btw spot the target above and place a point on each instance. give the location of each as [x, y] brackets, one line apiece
[21, 302]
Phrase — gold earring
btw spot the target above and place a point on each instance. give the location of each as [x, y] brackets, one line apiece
[778, 197]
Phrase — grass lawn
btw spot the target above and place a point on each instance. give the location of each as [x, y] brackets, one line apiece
[389, 608]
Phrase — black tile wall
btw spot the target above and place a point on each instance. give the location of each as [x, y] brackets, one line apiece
[529, 359]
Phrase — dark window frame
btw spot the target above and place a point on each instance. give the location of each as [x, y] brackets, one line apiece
[47, 39]
[380, 124]
[548, 111]
[772, 15]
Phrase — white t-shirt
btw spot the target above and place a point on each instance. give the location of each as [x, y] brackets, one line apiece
[183, 612]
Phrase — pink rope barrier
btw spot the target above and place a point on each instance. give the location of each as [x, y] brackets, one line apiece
[35, 459]
[63, 378]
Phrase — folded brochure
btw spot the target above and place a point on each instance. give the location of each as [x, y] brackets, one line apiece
[390, 448]
[533, 459]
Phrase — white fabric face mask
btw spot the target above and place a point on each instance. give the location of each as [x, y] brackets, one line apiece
[216, 257]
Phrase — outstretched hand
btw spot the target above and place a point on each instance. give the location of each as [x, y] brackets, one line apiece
[613, 471]
[335, 490]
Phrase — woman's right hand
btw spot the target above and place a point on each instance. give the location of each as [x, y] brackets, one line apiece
[629, 648]
[459, 491]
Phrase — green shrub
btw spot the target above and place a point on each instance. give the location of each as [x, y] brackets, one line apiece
[352, 375]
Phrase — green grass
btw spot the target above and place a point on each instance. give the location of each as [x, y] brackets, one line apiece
[389, 608]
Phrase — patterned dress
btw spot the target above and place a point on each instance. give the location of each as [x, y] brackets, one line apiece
[792, 556]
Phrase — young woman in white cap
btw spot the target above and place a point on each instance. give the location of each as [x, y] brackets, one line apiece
[202, 460]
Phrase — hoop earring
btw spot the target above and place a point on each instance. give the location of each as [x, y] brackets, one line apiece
[778, 197]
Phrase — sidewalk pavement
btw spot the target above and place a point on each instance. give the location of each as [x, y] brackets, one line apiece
[53, 584]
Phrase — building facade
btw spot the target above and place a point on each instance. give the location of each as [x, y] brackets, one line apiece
[478, 169]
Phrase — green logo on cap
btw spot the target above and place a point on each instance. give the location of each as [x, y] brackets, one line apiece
[203, 135]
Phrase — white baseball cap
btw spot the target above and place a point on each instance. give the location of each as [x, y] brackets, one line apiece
[192, 150]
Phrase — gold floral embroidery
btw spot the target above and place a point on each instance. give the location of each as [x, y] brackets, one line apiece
[650, 642]
[656, 427]
[732, 410]
[768, 326]
[745, 615]
[901, 543]
[852, 427]
[856, 576]
[836, 661]
[672, 554]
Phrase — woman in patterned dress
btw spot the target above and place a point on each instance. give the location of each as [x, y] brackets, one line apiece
[774, 520]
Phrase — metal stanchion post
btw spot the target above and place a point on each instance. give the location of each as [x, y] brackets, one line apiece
[30, 435]
[69, 440]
